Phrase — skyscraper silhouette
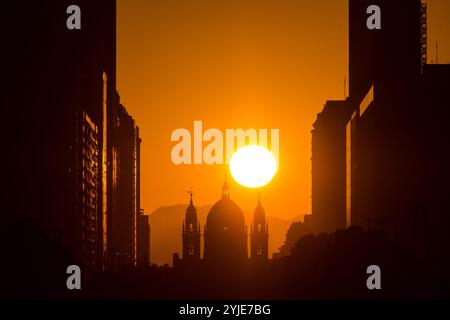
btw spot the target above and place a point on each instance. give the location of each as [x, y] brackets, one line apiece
[393, 127]
[63, 97]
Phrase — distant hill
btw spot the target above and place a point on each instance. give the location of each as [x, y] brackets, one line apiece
[166, 227]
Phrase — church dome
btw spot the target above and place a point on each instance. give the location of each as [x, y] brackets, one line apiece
[225, 213]
[225, 231]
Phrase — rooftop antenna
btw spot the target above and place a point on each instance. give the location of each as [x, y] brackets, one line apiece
[225, 188]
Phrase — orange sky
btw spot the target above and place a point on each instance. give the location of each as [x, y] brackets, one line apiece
[236, 64]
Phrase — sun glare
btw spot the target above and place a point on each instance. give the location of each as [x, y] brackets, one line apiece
[253, 166]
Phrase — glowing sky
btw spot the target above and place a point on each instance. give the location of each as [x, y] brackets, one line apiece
[236, 64]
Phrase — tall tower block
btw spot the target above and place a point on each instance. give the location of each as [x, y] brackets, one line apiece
[387, 53]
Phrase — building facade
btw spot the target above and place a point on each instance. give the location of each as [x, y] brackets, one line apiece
[328, 165]
[389, 143]
[63, 93]
[144, 240]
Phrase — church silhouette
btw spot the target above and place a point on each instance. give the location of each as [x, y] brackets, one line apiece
[225, 236]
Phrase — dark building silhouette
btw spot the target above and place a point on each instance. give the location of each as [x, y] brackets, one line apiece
[84, 188]
[63, 97]
[328, 165]
[432, 227]
[382, 131]
[389, 137]
[144, 239]
[259, 235]
[124, 221]
[387, 55]
[191, 234]
[225, 233]
[385, 63]
[143, 224]
[225, 238]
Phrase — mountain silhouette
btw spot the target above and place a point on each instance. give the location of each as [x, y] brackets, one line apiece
[166, 225]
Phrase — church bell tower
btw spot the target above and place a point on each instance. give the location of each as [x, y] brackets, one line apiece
[259, 235]
[191, 233]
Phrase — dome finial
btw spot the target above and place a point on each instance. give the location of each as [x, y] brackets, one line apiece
[191, 194]
[225, 188]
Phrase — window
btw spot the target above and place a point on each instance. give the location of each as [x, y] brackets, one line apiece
[259, 249]
[259, 227]
[191, 249]
[191, 227]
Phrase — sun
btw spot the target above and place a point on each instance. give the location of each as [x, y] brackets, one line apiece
[253, 166]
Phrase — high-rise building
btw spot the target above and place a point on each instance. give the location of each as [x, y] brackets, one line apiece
[63, 93]
[388, 54]
[86, 189]
[328, 166]
[393, 161]
[124, 196]
[57, 75]
[144, 239]
[348, 154]
[382, 135]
